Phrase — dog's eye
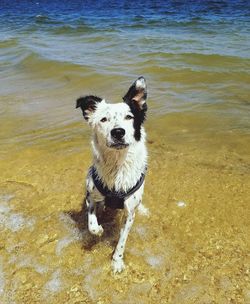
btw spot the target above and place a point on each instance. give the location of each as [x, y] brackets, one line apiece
[104, 119]
[128, 117]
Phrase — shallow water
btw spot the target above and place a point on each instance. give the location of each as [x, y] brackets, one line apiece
[194, 246]
[192, 249]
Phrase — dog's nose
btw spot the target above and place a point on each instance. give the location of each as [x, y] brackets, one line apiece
[118, 133]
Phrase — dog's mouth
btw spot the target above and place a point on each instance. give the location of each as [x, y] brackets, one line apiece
[118, 146]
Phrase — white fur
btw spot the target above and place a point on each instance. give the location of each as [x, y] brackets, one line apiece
[140, 83]
[118, 168]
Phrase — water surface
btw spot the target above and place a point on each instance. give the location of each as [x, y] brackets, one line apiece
[195, 56]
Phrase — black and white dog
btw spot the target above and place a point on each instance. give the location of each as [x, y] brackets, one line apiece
[120, 159]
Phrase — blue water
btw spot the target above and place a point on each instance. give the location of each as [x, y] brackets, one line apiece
[194, 54]
[210, 27]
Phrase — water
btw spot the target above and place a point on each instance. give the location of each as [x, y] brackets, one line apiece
[195, 57]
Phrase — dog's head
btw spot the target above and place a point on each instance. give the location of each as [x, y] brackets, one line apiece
[117, 125]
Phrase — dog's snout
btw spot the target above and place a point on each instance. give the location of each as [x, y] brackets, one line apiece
[118, 133]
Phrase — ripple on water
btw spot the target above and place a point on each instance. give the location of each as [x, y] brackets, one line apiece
[2, 279]
[91, 281]
[73, 235]
[22, 261]
[11, 220]
[54, 285]
[155, 261]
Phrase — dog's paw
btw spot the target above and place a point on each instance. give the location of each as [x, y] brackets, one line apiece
[117, 265]
[142, 210]
[96, 230]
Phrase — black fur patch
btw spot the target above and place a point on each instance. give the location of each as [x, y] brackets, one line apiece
[133, 92]
[135, 98]
[139, 118]
[87, 103]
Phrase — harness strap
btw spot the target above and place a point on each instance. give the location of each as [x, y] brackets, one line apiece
[114, 199]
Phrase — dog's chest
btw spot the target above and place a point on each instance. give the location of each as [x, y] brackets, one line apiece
[121, 177]
[120, 170]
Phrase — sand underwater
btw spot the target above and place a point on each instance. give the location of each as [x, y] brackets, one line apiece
[194, 247]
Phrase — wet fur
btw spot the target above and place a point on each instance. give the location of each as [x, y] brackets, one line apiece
[119, 163]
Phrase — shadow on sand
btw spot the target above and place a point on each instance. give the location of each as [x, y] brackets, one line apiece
[110, 219]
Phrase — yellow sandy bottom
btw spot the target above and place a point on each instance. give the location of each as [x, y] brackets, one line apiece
[191, 249]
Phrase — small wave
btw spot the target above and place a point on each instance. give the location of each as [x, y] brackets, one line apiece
[72, 29]
[42, 19]
[216, 60]
[44, 67]
[199, 59]
[66, 27]
[192, 75]
[141, 22]
[8, 43]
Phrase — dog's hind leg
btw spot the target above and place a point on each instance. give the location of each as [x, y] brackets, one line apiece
[117, 260]
[93, 226]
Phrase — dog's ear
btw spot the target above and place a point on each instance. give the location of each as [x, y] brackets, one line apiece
[87, 104]
[137, 95]
[136, 99]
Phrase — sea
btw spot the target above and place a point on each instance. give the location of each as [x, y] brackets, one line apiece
[193, 247]
[195, 56]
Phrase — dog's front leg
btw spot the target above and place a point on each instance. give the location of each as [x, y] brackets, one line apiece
[93, 226]
[117, 260]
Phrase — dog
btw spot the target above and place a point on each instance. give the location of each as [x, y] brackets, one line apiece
[117, 175]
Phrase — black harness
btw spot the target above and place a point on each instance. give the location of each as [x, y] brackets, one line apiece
[114, 199]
